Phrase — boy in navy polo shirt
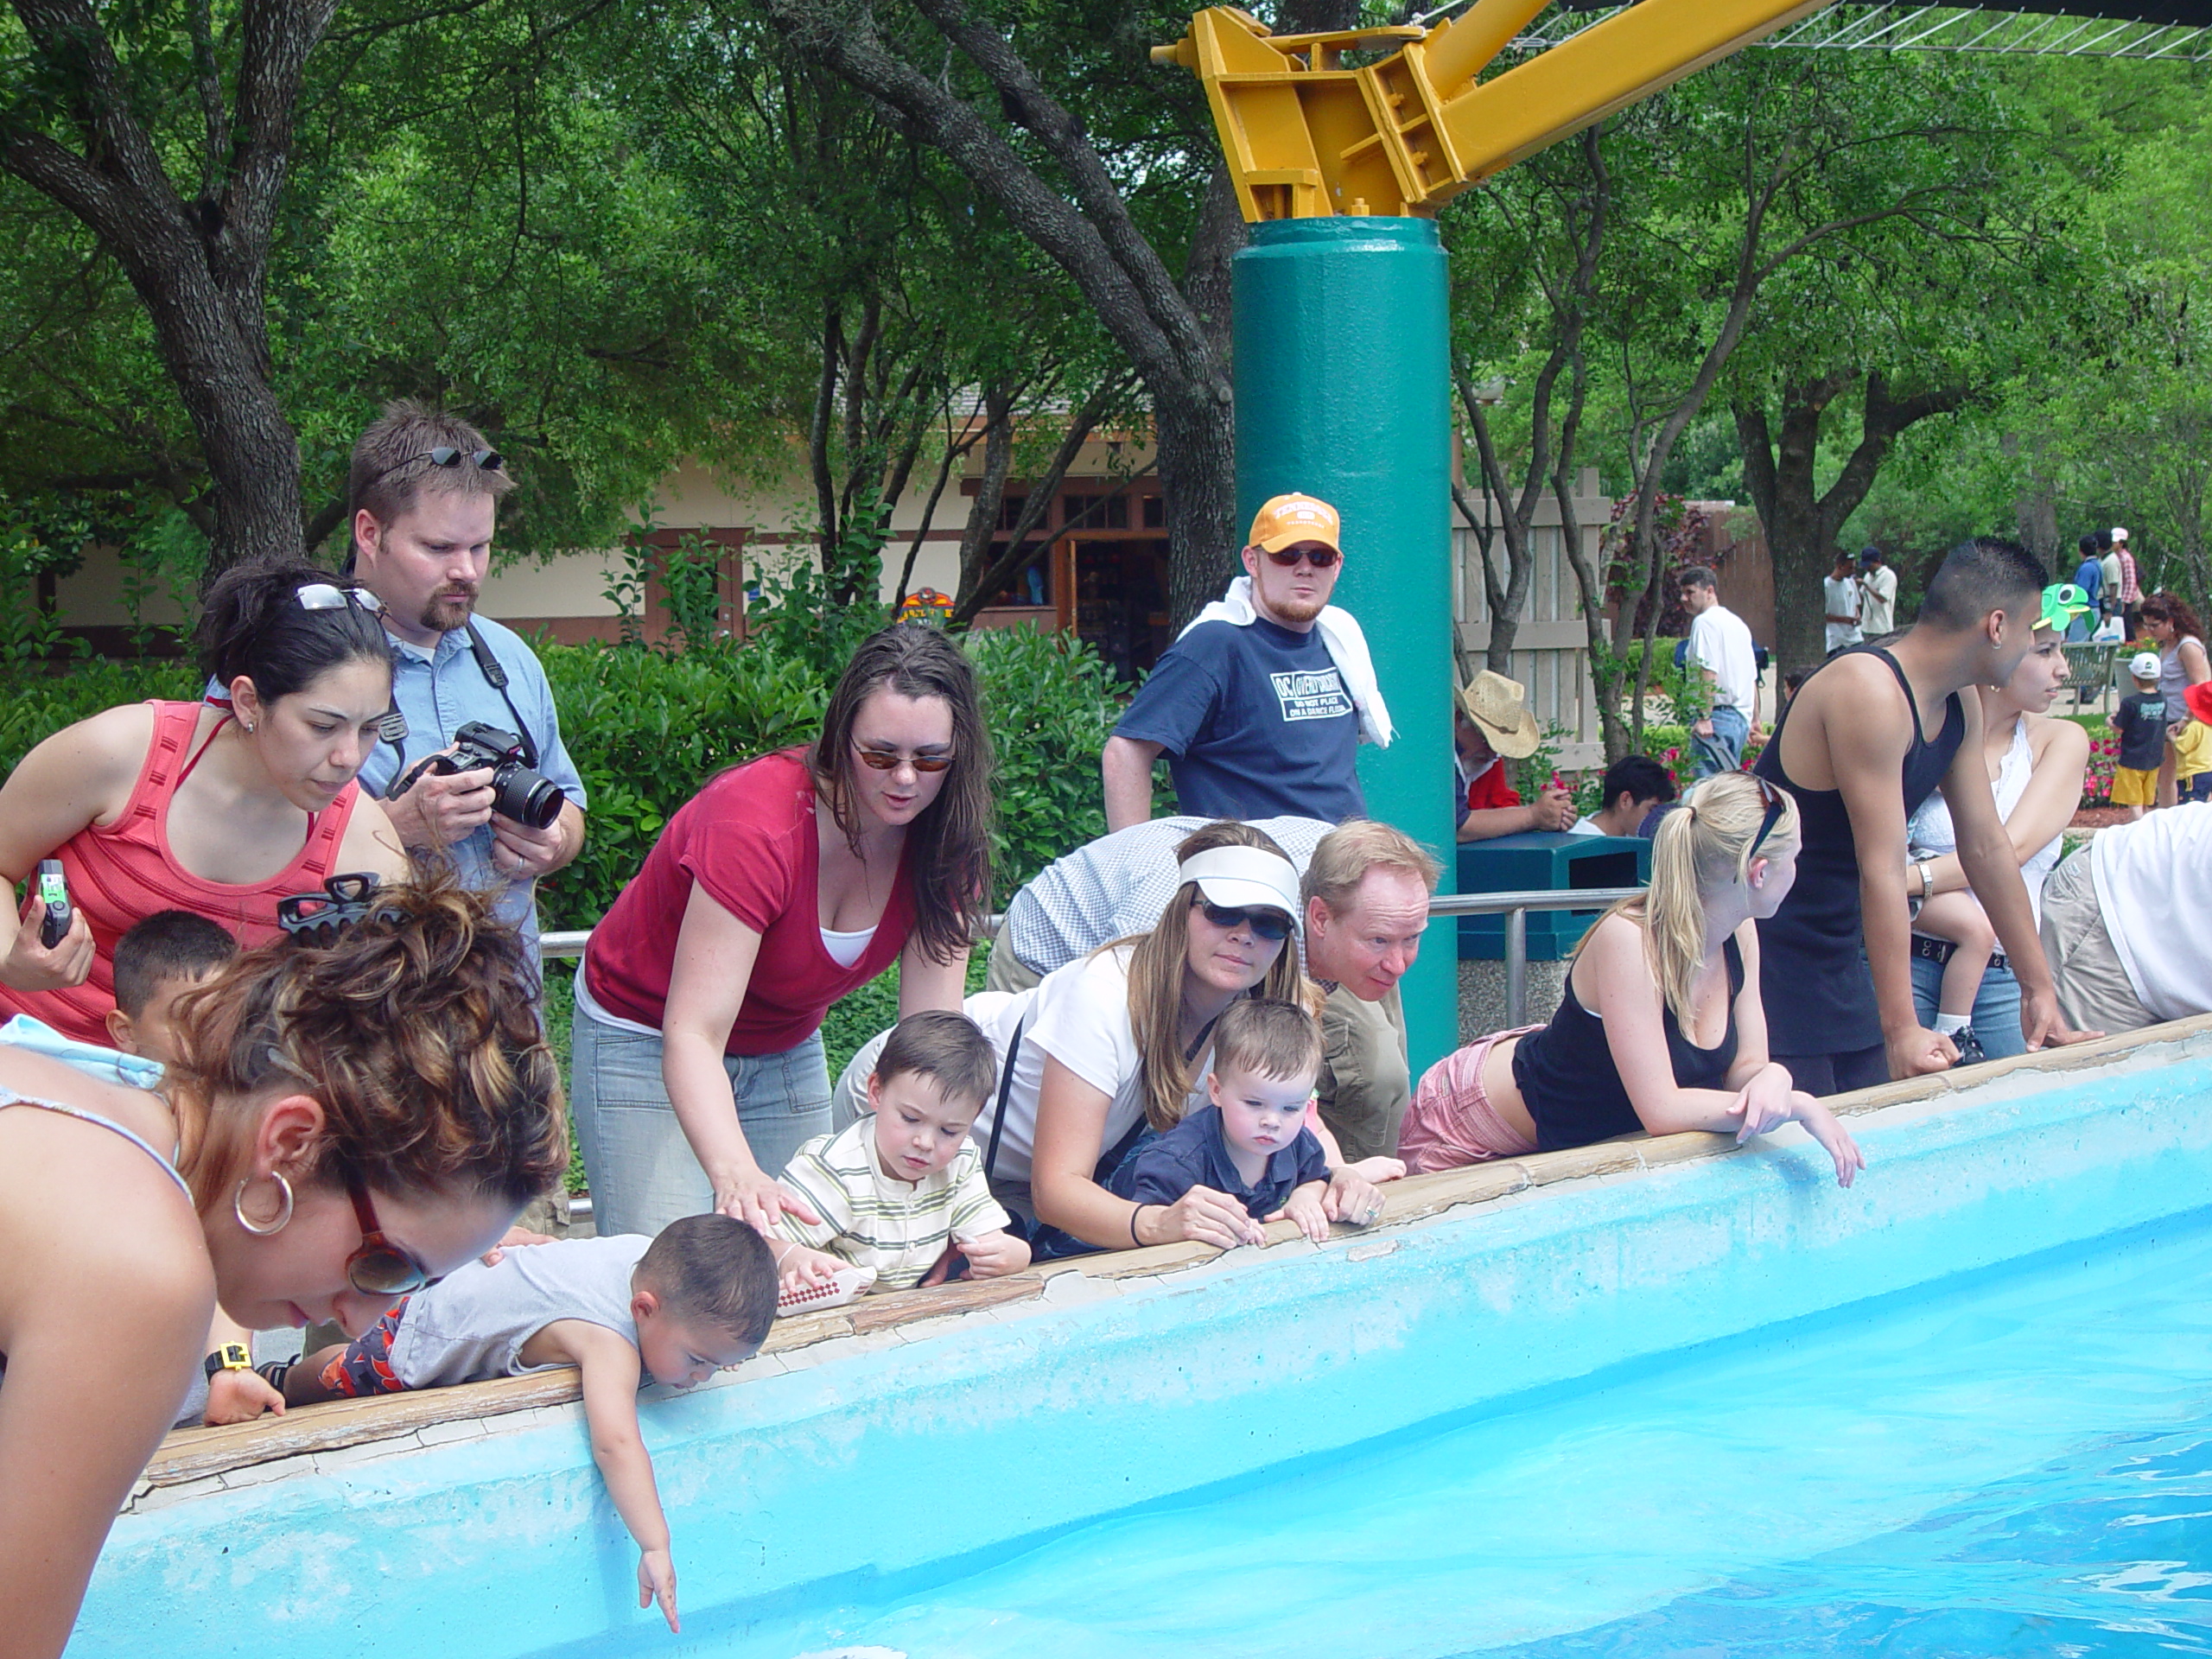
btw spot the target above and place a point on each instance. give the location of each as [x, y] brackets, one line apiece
[1252, 1144]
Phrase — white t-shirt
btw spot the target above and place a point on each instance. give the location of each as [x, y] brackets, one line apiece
[2146, 875]
[1878, 610]
[1841, 598]
[1720, 641]
[1079, 1015]
[1585, 827]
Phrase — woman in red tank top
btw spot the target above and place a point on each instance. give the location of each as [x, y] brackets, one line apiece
[193, 806]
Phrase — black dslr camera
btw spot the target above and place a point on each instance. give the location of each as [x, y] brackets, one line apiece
[518, 790]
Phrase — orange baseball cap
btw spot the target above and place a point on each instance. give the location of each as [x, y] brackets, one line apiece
[1287, 520]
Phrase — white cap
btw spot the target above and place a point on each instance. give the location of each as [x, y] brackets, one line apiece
[2143, 665]
[2119, 532]
[1241, 877]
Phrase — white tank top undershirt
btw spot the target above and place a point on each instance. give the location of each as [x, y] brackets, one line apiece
[846, 949]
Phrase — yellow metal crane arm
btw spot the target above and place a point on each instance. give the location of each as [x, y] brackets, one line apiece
[1307, 137]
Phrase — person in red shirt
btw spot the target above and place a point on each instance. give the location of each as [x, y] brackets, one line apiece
[1491, 725]
[784, 883]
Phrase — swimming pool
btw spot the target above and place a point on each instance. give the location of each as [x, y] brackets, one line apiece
[1121, 1461]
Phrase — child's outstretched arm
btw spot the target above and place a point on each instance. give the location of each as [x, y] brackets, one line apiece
[611, 1369]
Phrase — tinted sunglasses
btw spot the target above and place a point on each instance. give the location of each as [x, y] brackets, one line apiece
[485, 460]
[1774, 800]
[378, 1267]
[329, 596]
[344, 900]
[1264, 924]
[891, 760]
[1321, 558]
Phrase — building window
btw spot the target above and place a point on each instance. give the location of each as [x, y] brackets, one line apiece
[1010, 508]
[1155, 512]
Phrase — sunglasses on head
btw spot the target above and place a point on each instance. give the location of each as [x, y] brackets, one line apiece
[329, 596]
[1774, 800]
[891, 760]
[378, 1267]
[344, 900]
[485, 460]
[1319, 558]
[1264, 924]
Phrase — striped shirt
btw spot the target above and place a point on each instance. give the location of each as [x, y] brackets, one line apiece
[875, 1220]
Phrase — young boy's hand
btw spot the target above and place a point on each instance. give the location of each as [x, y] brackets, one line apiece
[657, 1583]
[993, 1255]
[798, 1268]
[240, 1397]
[1307, 1210]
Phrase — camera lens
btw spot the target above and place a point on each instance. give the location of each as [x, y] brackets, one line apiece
[526, 797]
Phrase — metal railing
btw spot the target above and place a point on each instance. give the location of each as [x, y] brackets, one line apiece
[1514, 906]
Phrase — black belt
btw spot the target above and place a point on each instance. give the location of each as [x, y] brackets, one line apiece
[1940, 951]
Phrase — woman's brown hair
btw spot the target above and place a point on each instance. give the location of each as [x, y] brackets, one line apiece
[416, 1032]
[1156, 968]
[2171, 607]
[949, 848]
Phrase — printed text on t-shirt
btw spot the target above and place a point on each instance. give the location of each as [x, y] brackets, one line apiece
[1316, 694]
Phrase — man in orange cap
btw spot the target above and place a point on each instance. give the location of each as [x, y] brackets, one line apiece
[1260, 704]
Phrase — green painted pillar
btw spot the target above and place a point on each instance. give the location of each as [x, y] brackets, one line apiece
[1343, 391]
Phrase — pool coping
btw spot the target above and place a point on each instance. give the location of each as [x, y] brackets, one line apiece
[193, 1462]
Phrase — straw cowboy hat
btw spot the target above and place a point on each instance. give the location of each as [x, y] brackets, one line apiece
[1499, 708]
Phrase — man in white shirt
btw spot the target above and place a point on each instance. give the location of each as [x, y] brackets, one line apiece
[1721, 653]
[1878, 595]
[1841, 590]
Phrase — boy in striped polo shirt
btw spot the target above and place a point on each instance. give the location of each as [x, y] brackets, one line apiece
[901, 1189]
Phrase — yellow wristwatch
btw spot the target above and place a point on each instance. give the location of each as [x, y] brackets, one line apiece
[231, 1357]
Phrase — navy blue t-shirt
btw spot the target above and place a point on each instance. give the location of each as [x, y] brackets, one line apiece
[1256, 723]
[2142, 721]
[1194, 1154]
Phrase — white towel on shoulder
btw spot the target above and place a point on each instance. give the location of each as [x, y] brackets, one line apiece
[1340, 636]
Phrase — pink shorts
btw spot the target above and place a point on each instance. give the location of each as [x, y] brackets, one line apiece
[1450, 1124]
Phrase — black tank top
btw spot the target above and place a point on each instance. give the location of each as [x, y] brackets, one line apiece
[1572, 1089]
[1813, 981]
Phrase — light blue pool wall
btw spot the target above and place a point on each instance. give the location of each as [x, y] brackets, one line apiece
[891, 1453]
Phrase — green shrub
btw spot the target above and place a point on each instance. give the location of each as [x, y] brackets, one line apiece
[1050, 702]
[42, 704]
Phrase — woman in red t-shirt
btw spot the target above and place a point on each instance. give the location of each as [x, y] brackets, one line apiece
[222, 811]
[782, 884]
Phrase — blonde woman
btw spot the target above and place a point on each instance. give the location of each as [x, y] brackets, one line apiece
[1660, 1027]
[1114, 1045]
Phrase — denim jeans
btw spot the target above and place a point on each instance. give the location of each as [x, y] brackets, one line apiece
[1996, 1007]
[1724, 750]
[642, 1170]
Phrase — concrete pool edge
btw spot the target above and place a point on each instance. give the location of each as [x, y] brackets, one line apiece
[1101, 1392]
[198, 1462]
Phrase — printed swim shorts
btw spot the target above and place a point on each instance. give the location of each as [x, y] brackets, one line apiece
[364, 1365]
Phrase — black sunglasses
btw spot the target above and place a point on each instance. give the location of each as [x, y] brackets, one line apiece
[1774, 800]
[1264, 924]
[317, 916]
[1319, 558]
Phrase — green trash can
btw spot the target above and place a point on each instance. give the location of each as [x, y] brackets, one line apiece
[1544, 862]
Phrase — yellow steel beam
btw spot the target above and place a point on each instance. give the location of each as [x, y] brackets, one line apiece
[1305, 137]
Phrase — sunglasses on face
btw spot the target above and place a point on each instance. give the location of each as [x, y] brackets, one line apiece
[329, 596]
[891, 760]
[1321, 558]
[378, 1267]
[1265, 924]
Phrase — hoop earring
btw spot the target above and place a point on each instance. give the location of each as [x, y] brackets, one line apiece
[283, 1211]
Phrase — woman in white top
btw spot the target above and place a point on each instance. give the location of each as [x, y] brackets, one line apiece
[2172, 626]
[2035, 762]
[1117, 1042]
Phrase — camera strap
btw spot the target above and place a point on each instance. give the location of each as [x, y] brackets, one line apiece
[495, 672]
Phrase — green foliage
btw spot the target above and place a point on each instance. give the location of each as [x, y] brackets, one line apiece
[1050, 702]
[39, 704]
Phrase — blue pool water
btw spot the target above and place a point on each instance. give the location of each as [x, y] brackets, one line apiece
[2016, 1463]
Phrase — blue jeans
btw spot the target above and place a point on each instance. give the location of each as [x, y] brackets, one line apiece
[642, 1170]
[1724, 750]
[1996, 1007]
